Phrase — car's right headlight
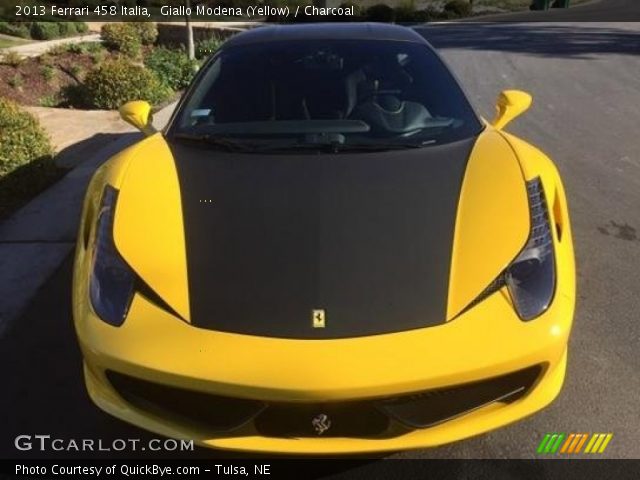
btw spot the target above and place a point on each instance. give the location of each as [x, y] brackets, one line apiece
[112, 282]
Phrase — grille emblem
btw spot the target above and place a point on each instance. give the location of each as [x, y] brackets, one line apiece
[318, 318]
[321, 423]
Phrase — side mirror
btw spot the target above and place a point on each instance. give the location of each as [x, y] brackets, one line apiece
[138, 114]
[511, 104]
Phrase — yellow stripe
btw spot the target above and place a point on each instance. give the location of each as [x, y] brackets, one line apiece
[567, 442]
[596, 445]
[582, 440]
[606, 442]
[590, 444]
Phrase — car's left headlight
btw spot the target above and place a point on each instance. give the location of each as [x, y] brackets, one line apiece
[112, 282]
[531, 277]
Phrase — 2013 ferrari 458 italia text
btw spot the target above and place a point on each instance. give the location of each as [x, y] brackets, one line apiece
[325, 251]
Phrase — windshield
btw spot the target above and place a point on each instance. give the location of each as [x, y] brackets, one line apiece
[339, 93]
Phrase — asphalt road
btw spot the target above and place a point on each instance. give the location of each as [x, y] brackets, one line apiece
[595, 11]
[585, 80]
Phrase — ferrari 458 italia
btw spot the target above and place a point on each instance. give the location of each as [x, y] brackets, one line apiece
[325, 251]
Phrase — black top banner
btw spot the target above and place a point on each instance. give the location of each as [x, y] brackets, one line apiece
[292, 11]
[324, 468]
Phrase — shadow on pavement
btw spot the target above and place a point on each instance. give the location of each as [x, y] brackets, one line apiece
[553, 40]
[43, 390]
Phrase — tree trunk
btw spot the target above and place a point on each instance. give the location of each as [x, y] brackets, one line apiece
[191, 48]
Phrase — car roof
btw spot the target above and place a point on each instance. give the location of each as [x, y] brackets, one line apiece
[321, 31]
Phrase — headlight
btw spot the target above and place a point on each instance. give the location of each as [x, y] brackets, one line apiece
[531, 277]
[112, 282]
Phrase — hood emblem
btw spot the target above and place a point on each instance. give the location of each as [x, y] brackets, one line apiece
[321, 423]
[318, 318]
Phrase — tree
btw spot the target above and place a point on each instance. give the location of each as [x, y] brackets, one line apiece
[191, 48]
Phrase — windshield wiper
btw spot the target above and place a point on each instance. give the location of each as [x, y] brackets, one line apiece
[374, 147]
[225, 143]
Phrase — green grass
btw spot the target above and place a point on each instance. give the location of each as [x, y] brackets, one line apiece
[7, 41]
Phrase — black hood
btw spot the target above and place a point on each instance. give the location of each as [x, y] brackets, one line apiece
[366, 237]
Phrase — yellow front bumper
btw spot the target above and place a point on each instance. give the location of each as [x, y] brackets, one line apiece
[485, 342]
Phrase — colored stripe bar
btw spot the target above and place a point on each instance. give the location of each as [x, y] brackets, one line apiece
[555, 447]
[543, 443]
[581, 442]
[567, 443]
[606, 442]
[550, 443]
[592, 441]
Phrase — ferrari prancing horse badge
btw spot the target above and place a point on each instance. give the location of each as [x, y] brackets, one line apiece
[318, 318]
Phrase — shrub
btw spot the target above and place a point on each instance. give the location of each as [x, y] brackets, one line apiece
[207, 47]
[81, 27]
[122, 37]
[172, 67]
[22, 140]
[15, 29]
[26, 165]
[44, 30]
[12, 58]
[47, 72]
[380, 13]
[147, 31]
[118, 81]
[459, 8]
[66, 29]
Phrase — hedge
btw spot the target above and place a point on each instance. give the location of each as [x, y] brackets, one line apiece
[118, 81]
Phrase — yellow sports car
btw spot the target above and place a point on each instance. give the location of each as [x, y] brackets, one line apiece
[325, 251]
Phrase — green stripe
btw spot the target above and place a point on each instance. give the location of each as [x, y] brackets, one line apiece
[558, 442]
[547, 449]
[543, 443]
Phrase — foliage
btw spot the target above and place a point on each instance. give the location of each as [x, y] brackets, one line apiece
[22, 139]
[207, 47]
[380, 13]
[172, 66]
[15, 29]
[147, 31]
[44, 30]
[123, 38]
[26, 165]
[118, 81]
[12, 58]
[459, 8]
[48, 72]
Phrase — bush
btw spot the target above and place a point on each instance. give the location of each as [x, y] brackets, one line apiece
[66, 29]
[81, 27]
[22, 139]
[45, 30]
[147, 31]
[26, 164]
[12, 58]
[15, 29]
[380, 13]
[459, 8]
[118, 81]
[172, 67]
[207, 47]
[122, 37]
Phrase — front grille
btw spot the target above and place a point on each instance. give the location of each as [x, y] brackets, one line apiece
[214, 412]
[379, 418]
[436, 406]
[348, 419]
